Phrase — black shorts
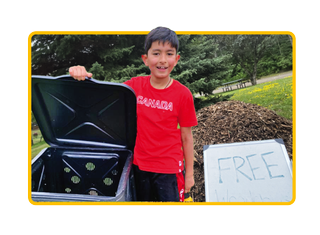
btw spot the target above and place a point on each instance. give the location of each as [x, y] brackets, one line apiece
[156, 186]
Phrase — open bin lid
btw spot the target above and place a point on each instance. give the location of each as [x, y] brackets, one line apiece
[86, 113]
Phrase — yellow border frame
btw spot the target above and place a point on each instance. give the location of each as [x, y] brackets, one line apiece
[168, 203]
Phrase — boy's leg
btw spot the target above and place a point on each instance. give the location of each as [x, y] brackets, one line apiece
[165, 187]
[158, 187]
[143, 185]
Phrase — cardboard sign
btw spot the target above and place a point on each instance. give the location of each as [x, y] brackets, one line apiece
[257, 171]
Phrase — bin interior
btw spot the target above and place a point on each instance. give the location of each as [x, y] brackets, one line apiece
[79, 171]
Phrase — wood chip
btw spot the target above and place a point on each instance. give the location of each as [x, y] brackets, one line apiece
[234, 121]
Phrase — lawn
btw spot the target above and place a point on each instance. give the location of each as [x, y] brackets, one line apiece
[38, 143]
[275, 95]
[36, 148]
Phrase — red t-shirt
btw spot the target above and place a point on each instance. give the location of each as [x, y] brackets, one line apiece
[158, 144]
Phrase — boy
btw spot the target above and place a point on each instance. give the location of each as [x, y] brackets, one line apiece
[162, 104]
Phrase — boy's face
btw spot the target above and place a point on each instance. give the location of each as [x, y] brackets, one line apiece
[161, 59]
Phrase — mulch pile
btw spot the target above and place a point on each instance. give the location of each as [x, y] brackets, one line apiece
[234, 121]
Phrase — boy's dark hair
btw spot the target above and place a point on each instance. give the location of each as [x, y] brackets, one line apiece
[162, 35]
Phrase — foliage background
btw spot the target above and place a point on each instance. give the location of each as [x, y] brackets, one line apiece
[206, 61]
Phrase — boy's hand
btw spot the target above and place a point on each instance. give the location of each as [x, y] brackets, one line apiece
[189, 182]
[79, 73]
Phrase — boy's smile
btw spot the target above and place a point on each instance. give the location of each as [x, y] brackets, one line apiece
[161, 59]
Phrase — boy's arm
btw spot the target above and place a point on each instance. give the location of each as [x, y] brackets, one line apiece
[79, 73]
[187, 144]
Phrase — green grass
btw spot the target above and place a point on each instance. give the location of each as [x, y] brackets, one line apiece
[36, 148]
[275, 95]
[38, 143]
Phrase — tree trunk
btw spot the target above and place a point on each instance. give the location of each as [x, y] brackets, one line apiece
[254, 75]
[253, 80]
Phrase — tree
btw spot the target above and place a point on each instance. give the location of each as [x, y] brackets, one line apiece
[248, 50]
[98, 71]
[54, 54]
[200, 68]
[206, 60]
[278, 56]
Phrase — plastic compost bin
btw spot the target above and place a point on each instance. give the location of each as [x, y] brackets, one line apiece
[91, 129]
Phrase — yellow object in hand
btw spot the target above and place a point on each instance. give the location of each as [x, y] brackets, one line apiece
[187, 198]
